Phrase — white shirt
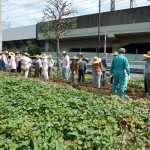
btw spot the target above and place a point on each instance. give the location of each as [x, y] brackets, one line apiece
[40, 62]
[26, 61]
[66, 61]
[44, 63]
[4, 58]
[50, 62]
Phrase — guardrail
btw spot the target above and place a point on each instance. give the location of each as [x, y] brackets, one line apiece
[135, 66]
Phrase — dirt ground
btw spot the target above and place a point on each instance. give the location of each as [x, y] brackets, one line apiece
[134, 93]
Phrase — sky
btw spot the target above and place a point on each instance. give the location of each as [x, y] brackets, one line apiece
[17, 13]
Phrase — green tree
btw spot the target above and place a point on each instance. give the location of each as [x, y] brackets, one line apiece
[57, 21]
[32, 48]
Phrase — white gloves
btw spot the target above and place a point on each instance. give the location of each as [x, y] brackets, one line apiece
[111, 75]
[129, 77]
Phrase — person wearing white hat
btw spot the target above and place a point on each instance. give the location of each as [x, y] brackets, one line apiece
[37, 66]
[80, 56]
[4, 60]
[50, 66]
[45, 66]
[65, 66]
[96, 72]
[82, 69]
[147, 73]
[74, 69]
[25, 64]
[12, 62]
[18, 62]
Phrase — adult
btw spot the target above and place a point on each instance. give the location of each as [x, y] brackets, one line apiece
[111, 77]
[25, 64]
[37, 66]
[3, 60]
[96, 72]
[104, 67]
[74, 69]
[18, 62]
[65, 66]
[12, 62]
[147, 73]
[119, 65]
[80, 56]
[50, 66]
[45, 66]
[82, 69]
[40, 64]
[0, 61]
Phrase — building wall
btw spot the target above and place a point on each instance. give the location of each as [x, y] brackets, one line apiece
[20, 33]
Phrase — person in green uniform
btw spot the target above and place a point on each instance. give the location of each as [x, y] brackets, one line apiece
[119, 65]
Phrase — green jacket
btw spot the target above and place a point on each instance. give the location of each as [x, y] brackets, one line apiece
[120, 63]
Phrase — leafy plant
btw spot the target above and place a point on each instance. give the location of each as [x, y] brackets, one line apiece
[40, 115]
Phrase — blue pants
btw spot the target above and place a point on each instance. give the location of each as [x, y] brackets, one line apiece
[3, 66]
[65, 72]
[0, 65]
[147, 76]
[119, 79]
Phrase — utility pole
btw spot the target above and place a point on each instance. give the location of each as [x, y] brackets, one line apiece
[112, 5]
[99, 24]
[105, 42]
[131, 3]
[0, 25]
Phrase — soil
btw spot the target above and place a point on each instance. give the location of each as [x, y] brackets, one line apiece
[131, 92]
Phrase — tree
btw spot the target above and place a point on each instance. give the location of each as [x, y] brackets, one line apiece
[32, 48]
[57, 21]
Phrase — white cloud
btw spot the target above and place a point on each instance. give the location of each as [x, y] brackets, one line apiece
[26, 12]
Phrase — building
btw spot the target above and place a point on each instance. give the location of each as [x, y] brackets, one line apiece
[129, 28]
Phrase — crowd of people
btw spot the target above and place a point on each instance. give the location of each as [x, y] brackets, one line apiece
[77, 65]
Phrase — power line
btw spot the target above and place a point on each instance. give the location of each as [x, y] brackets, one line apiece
[34, 18]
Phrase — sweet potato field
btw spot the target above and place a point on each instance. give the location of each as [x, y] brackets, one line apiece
[38, 115]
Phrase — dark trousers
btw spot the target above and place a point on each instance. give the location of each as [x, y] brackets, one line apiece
[13, 70]
[81, 75]
[145, 86]
[37, 70]
[103, 78]
[40, 71]
[19, 67]
[3, 66]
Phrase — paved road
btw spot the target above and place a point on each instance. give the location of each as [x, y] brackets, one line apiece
[136, 76]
